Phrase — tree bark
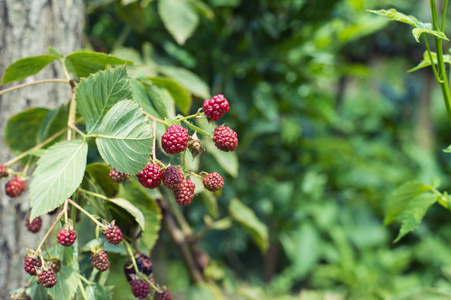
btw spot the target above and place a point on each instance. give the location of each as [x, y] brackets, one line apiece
[28, 28]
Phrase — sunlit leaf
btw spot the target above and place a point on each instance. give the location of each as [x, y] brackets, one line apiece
[25, 67]
[179, 17]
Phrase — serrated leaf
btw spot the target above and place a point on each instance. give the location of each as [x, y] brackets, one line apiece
[401, 197]
[96, 94]
[179, 94]
[83, 63]
[179, 17]
[124, 137]
[188, 80]
[414, 213]
[100, 173]
[67, 278]
[419, 31]
[131, 209]
[26, 67]
[59, 172]
[247, 218]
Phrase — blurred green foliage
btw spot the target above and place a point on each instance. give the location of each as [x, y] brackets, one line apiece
[329, 125]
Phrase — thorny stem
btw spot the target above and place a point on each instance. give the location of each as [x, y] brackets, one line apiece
[48, 232]
[85, 212]
[155, 119]
[32, 83]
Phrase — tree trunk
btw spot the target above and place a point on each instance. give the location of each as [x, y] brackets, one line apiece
[28, 28]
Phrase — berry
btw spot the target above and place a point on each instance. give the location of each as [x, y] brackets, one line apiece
[100, 261]
[150, 176]
[143, 263]
[3, 171]
[30, 265]
[118, 177]
[34, 226]
[140, 288]
[172, 178]
[225, 139]
[216, 107]
[66, 238]
[175, 139]
[185, 193]
[15, 187]
[47, 278]
[51, 213]
[166, 295]
[113, 235]
[213, 182]
[55, 265]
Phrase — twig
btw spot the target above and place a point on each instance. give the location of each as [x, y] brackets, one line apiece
[32, 83]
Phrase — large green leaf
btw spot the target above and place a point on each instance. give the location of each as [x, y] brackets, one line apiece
[124, 138]
[247, 218]
[140, 95]
[67, 278]
[96, 94]
[188, 80]
[25, 67]
[100, 173]
[131, 209]
[179, 94]
[179, 17]
[83, 63]
[59, 172]
[414, 213]
[400, 199]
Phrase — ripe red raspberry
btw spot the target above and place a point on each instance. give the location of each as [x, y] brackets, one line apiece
[3, 171]
[118, 177]
[66, 238]
[113, 235]
[185, 193]
[225, 139]
[213, 182]
[143, 263]
[166, 295]
[55, 265]
[175, 139]
[172, 178]
[150, 176]
[47, 278]
[140, 288]
[100, 261]
[216, 107]
[15, 187]
[30, 265]
[34, 226]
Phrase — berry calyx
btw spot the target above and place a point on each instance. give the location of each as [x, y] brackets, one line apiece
[30, 265]
[15, 187]
[34, 226]
[150, 176]
[100, 260]
[140, 288]
[225, 139]
[185, 193]
[166, 295]
[172, 178]
[175, 139]
[195, 146]
[113, 234]
[216, 107]
[3, 171]
[213, 182]
[47, 278]
[118, 177]
[66, 237]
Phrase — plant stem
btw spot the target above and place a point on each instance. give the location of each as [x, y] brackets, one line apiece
[66, 74]
[156, 119]
[434, 69]
[72, 111]
[154, 139]
[82, 289]
[32, 83]
[198, 113]
[48, 232]
[445, 8]
[86, 213]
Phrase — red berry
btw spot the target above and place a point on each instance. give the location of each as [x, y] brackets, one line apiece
[185, 193]
[175, 139]
[100, 261]
[15, 187]
[55, 265]
[216, 107]
[225, 139]
[166, 295]
[34, 226]
[3, 171]
[150, 176]
[66, 238]
[118, 177]
[47, 278]
[30, 265]
[213, 182]
[172, 178]
[113, 235]
[140, 288]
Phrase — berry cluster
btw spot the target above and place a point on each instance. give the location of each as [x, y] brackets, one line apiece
[113, 234]
[150, 176]
[47, 278]
[30, 265]
[118, 177]
[140, 288]
[15, 187]
[99, 260]
[175, 139]
[35, 225]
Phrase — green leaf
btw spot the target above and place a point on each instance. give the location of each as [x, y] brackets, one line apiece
[179, 17]
[211, 204]
[53, 51]
[181, 96]
[426, 62]
[419, 31]
[400, 199]
[247, 218]
[188, 80]
[203, 9]
[124, 137]
[25, 67]
[67, 277]
[58, 174]
[96, 94]
[414, 213]
[119, 248]
[55, 120]
[197, 129]
[83, 63]
[100, 173]
[96, 292]
[447, 150]
[131, 209]
[140, 96]
[157, 98]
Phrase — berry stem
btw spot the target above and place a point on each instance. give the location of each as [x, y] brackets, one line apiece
[32, 83]
[38, 250]
[85, 280]
[197, 114]
[85, 212]
[156, 119]
[25, 169]
[72, 109]
[82, 290]
[77, 130]
[65, 211]
[154, 139]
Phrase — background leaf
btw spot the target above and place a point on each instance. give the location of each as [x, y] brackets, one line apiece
[67, 278]
[131, 209]
[188, 80]
[179, 94]
[25, 67]
[100, 173]
[179, 17]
